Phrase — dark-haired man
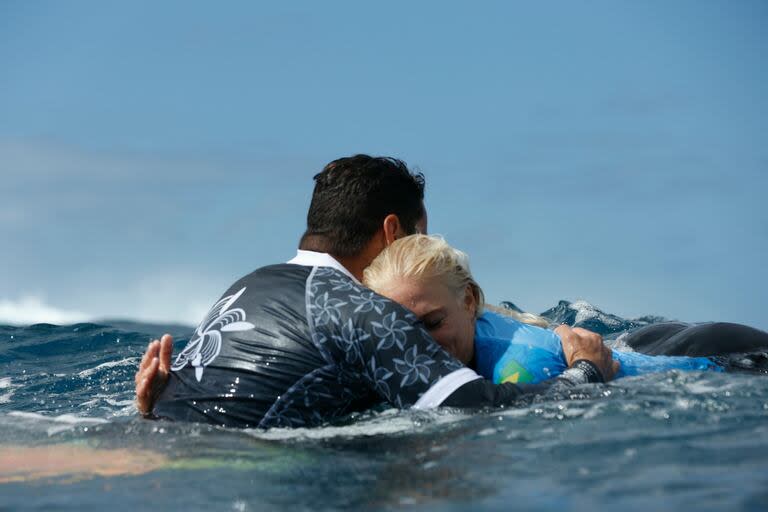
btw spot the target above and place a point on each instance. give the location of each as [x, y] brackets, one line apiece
[302, 343]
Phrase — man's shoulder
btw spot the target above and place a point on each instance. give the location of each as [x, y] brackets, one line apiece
[335, 296]
[277, 270]
[271, 280]
[281, 277]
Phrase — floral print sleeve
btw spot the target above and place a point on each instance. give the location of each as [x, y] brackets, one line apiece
[296, 345]
[377, 343]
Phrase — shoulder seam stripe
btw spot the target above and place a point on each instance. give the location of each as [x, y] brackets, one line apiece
[445, 387]
[311, 320]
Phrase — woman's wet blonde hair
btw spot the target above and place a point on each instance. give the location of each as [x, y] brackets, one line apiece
[428, 257]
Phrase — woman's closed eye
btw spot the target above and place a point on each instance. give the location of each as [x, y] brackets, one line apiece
[433, 323]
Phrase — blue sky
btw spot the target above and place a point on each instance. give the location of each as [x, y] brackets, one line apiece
[616, 152]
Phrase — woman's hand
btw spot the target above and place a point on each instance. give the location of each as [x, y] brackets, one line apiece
[580, 343]
[153, 373]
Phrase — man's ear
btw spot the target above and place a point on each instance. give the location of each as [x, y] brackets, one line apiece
[392, 228]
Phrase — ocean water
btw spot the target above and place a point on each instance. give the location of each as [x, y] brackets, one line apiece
[669, 441]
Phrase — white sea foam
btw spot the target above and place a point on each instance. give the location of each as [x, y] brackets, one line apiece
[8, 388]
[56, 424]
[586, 311]
[128, 361]
[387, 423]
[69, 419]
[620, 344]
[32, 309]
[701, 387]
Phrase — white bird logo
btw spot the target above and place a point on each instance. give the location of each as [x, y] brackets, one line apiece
[205, 345]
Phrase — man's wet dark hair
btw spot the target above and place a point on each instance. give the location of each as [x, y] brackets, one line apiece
[352, 197]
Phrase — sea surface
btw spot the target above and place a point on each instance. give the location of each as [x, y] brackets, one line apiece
[672, 441]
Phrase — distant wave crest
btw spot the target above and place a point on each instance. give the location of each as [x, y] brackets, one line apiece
[32, 310]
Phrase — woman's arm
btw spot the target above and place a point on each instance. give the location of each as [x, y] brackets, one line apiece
[589, 361]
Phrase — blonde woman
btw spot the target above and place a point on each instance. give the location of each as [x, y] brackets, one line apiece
[432, 279]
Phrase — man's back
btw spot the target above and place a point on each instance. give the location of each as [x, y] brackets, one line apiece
[291, 345]
[300, 344]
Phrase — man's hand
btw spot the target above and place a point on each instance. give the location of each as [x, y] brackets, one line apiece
[153, 373]
[580, 343]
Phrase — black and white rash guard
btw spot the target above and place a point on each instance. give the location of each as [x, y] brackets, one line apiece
[303, 343]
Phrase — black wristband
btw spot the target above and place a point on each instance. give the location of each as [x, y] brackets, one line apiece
[583, 372]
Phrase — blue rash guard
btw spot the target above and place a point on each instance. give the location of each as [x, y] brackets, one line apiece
[507, 350]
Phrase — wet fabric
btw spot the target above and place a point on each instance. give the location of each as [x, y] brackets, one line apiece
[304, 343]
[510, 351]
[292, 345]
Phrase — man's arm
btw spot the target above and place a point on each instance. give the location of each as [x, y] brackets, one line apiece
[407, 368]
[589, 360]
[153, 372]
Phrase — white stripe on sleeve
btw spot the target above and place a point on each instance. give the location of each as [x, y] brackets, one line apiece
[445, 387]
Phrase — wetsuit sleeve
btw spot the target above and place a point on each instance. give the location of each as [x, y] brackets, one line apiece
[376, 342]
[407, 367]
[483, 393]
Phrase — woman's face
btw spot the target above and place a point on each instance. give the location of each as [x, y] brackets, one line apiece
[449, 319]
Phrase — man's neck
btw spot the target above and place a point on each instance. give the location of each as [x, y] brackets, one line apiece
[354, 264]
[314, 243]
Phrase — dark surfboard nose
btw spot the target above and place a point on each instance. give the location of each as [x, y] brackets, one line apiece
[708, 339]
